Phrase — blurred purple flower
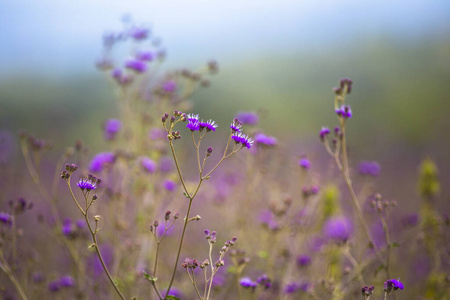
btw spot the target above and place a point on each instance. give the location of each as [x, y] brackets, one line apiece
[175, 292]
[371, 168]
[67, 228]
[169, 86]
[345, 111]
[38, 277]
[66, 281]
[165, 164]
[291, 288]
[6, 218]
[53, 286]
[264, 140]
[80, 223]
[240, 138]
[304, 163]
[139, 33]
[145, 55]
[157, 134]
[324, 132]
[148, 164]
[169, 185]
[338, 229]
[304, 260]
[411, 219]
[250, 118]
[99, 161]
[264, 281]
[247, 282]
[136, 65]
[111, 127]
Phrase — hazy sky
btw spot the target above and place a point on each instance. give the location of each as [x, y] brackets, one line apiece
[56, 36]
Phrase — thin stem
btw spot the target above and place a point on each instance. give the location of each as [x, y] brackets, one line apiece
[178, 169]
[156, 290]
[73, 197]
[212, 271]
[7, 270]
[192, 278]
[181, 244]
[388, 241]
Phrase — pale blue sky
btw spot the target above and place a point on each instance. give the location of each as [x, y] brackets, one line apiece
[58, 36]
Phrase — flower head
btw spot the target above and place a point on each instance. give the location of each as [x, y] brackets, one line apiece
[392, 285]
[264, 281]
[6, 219]
[250, 118]
[169, 185]
[338, 229]
[209, 125]
[145, 55]
[303, 260]
[324, 132]
[344, 112]
[243, 139]
[193, 122]
[304, 163]
[371, 168]
[136, 65]
[236, 125]
[264, 140]
[87, 184]
[100, 161]
[112, 127]
[139, 33]
[247, 282]
[148, 164]
[67, 281]
[169, 86]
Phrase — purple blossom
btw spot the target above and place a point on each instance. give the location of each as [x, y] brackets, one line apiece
[193, 122]
[86, 184]
[139, 33]
[247, 282]
[38, 277]
[80, 223]
[209, 125]
[175, 292]
[169, 86]
[53, 286]
[264, 140]
[266, 217]
[292, 288]
[148, 164]
[392, 285]
[136, 65]
[145, 56]
[304, 260]
[243, 139]
[324, 132]
[250, 118]
[6, 218]
[169, 185]
[66, 281]
[236, 125]
[116, 73]
[411, 219]
[304, 163]
[371, 168]
[264, 281]
[99, 161]
[344, 112]
[112, 127]
[338, 229]
[68, 228]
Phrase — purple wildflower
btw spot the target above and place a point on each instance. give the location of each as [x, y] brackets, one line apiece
[66, 281]
[169, 185]
[145, 56]
[371, 168]
[247, 282]
[243, 139]
[324, 132]
[367, 290]
[116, 73]
[86, 184]
[209, 125]
[392, 285]
[80, 223]
[136, 65]
[264, 281]
[338, 229]
[139, 33]
[292, 288]
[304, 163]
[344, 112]
[304, 260]
[411, 219]
[100, 161]
[264, 140]
[148, 164]
[193, 122]
[38, 277]
[250, 118]
[175, 292]
[68, 228]
[169, 86]
[236, 125]
[6, 218]
[53, 286]
[112, 127]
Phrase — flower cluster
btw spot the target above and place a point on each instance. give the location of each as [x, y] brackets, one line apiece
[89, 183]
[392, 285]
[344, 111]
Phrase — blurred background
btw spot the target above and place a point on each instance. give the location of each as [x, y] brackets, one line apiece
[281, 58]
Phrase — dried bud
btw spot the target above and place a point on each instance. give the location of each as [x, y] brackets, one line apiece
[167, 215]
[97, 218]
[209, 151]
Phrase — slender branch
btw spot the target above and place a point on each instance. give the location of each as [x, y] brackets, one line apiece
[7, 270]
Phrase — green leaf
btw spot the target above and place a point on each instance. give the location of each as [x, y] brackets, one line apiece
[170, 297]
[150, 277]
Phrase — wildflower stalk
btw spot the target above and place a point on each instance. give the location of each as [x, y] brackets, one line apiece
[388, 242]
[7, 270]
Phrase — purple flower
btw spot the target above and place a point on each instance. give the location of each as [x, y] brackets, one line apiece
[139, 33]
[392, 285]
[250, 118]
[264, 281]
[116, 73]
[6, 218]
[68, 228]
[175, 292]
[148, 164]
[344, 112]
[303, 260]
[66, 281]
[169, 86]
[411, 219]
[112, 127]
[264, 140]
[193, 122]
[209, 125]
[86, 184]
[304, 163]
[38, 277]
[236, 125]
[136, 65]
[165, 164]
[338, 229]
[292, 288]
[80, 223]
[53, 286]
[371, 168]
[169, 185]
[324, 132]
[266, 218]
[100, 161]
[247, 282]
[145, 56]
[243, 139]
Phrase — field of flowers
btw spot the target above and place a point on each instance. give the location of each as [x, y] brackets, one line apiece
[178, 206]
